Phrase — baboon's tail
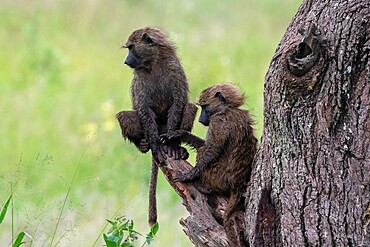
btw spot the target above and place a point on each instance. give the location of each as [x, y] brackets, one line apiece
[152, 194]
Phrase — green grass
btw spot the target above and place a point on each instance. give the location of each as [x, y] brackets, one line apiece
[62, 80]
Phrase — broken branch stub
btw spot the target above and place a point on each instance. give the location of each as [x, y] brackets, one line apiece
[200, 226]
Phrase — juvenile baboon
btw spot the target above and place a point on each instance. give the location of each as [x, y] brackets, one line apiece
[224, 158]
[159, 93]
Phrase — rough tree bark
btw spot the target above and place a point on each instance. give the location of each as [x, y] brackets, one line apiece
[310, 184]
[200, 226]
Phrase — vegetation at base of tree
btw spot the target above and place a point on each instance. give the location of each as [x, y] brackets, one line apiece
[123, 234]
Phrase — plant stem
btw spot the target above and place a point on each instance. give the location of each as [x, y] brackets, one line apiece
[65, 201]
[11, 192]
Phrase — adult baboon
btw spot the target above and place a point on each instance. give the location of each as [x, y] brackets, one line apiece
[159, 93]
[224, 158]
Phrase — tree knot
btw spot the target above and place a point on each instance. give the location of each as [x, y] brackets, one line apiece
[307, 53]
[305, 61]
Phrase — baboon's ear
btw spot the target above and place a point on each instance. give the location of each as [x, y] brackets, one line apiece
[146, 38]
[220, 97]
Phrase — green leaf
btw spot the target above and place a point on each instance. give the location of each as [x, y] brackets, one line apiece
[125, 226]
[5, 208]
[154, 229]
[152, 233]
[135, 232]
[18, 240]
[115, 238]
[113, 223]
[110, 230]
[109, 242]
[131, 225]
[115, 232]
[149, 239]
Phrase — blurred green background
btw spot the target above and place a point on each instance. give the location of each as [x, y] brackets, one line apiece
[62, 79]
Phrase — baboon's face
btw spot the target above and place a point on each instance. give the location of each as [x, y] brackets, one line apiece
[205, 115]
[210, 104]
[141, 50]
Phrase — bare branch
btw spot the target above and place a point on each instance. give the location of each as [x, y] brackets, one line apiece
[200, 226]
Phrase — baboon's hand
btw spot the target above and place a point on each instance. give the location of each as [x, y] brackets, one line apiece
[158, 154]
[172, 150]
[171, 135]
[182, 177]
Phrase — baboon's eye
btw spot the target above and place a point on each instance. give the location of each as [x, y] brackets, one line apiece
[220, 97]
[147, 39]
[205, 108]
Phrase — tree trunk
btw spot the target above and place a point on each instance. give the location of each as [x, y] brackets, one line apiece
[310, 183]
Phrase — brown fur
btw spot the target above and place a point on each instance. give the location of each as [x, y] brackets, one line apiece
[224, 158]
[160, 100]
